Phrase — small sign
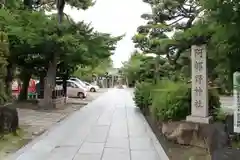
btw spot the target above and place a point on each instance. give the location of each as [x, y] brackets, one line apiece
[236, 92]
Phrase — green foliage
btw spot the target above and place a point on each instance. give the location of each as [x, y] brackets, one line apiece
[131, 68]
[142, 95]
[141, 67]
[220, 115]
[36, 39]
[166, 16]
[170, 101]
[32, 44]
[82, 4]
[4, 53]
[87, 72]
[214, 103]
[214, 22]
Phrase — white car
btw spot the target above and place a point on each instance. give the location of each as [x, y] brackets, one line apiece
[79, 81]
[74, 89]
[92, 87]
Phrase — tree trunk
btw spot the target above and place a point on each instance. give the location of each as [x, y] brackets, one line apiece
[25, 78]
[128, 82]
[65, 78]
[49, 83]
[9, 79]
[41, 87]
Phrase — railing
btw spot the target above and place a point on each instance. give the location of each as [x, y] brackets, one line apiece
[57, 93]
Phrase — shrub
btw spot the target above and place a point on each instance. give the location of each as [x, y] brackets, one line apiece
[172, 100]
[142, 95]
[213, 101]
[220, 115]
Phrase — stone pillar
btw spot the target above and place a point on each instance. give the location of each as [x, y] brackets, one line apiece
[199, 101]
[236, 94]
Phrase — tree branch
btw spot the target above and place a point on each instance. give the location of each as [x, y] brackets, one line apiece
[69, 19]
[176, 21]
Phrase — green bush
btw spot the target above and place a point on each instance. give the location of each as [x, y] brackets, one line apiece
[220, 115]
[142, 95]
[172, 101]
[214, 102]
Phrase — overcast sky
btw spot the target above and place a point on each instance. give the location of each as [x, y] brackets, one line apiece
[116, 17]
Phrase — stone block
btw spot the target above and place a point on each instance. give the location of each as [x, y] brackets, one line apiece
[208, 136]
[196, 119]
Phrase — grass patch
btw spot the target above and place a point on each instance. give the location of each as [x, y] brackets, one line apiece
[236, 143]
[10, 143]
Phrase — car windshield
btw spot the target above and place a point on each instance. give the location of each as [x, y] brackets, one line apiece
[87, 83]
[80, 82]
[76, 84]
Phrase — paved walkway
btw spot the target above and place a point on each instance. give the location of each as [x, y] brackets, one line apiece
[109, 128]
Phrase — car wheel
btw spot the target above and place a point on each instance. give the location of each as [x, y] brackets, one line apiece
[80, 95]
[92, 90]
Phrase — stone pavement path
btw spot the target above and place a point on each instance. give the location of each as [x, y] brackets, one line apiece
[109, 128]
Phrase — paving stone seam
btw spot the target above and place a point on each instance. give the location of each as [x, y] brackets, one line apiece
[85, 139]
[129, 146]
[114, 110]
[52, 128]
[156, 144]
[94, 122]
[37, 139]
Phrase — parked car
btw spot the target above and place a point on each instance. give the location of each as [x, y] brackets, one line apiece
[79, 81]
[74, 89]
[92, 87]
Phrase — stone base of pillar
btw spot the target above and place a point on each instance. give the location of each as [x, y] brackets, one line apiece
[206, 120]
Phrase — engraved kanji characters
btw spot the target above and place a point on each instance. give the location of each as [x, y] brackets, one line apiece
[198, 66]
[199, 79]
[198, 104]
[238, 101]
[198, 91]
[198, 52]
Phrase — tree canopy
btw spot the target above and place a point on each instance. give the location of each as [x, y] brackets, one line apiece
[35, 38]
[31, 41]
[175, 25]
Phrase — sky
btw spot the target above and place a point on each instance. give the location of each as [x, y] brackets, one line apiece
[116, 17]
